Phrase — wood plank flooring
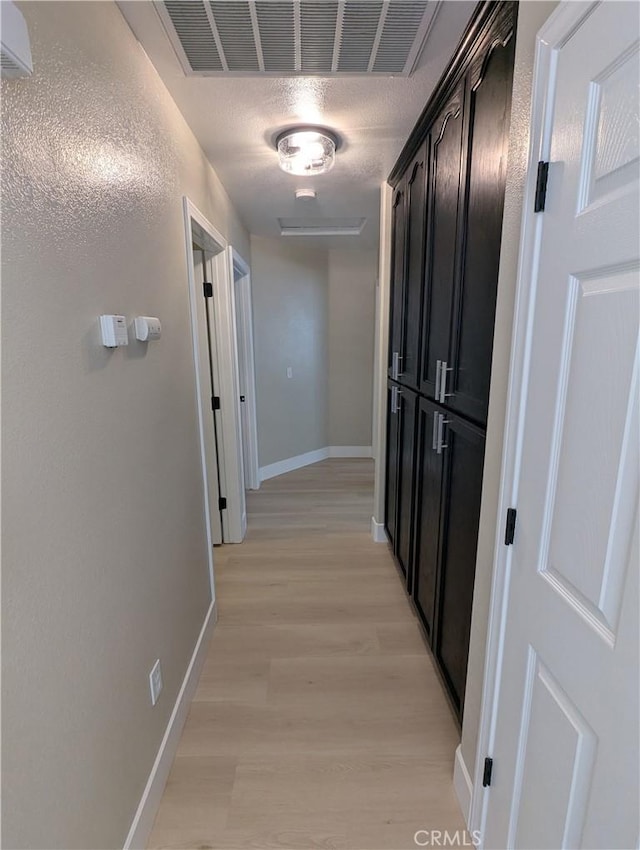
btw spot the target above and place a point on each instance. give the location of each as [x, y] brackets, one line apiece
[319, 720]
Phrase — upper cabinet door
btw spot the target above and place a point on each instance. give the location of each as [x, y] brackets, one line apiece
[465, 383]
[409, 367]
[398, 279]
[442, 239]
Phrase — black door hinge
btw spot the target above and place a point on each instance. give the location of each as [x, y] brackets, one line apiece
[215, 402]
[222, 503]
[207, 288]
[510, 529]
[488, 770]
[541, 186]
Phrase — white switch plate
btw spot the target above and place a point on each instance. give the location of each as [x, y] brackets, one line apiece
[289, 372]
[113, 330]
[155, 682]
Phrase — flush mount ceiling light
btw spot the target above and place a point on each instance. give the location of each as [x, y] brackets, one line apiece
[307, 150]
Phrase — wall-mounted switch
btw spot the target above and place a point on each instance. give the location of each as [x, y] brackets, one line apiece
[113, 330]
[155, 682]
[289, 372]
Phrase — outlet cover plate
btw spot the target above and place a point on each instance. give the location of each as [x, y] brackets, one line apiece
[155, 682]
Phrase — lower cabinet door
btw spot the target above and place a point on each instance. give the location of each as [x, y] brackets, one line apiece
[462, 447]
[391, 489]
[406, 476]
[428, 488]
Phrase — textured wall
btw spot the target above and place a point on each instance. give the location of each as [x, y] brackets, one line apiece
[352, 288]
[104, 553]
[290, 320]
[531, 16]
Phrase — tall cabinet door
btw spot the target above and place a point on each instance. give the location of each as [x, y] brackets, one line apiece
[428, 486]
[398, 279]
[391, 488]
[462, 446]
[416, 188]
[442, 238]
[465, 386]
[406, 475]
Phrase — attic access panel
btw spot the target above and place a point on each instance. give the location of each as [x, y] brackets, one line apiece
[295, 37]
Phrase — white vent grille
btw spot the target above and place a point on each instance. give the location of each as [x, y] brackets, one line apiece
[289, 37]
[321, 226]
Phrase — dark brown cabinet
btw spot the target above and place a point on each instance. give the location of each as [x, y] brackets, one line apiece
[448, 202]
[401, 429]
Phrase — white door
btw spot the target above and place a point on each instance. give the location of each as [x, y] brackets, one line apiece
[565, 747]
[213, 456]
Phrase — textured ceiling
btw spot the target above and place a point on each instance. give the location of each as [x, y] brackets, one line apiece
[235, 119]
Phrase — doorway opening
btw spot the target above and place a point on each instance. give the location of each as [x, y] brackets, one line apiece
[215, 351]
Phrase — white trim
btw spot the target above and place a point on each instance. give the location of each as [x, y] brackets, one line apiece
[349, 451]
[560, 25]
[462, 784]
[195, 302]
[378, 534]
[244, 315]
[381, 356]
[146, 812]
[291, 463]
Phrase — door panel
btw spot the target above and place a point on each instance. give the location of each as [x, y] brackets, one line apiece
[489, 106]
[427, 514]
[462, 489]
[416, 215]
[391, 487]
[398, 280]
[442, 229]
[404, 527]
[568, 683]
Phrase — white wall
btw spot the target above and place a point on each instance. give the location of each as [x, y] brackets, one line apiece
[531, 16]
[290, 323]
[104, 553]
[352, 288]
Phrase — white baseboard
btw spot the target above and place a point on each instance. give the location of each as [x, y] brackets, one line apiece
[291, 463]
[463, 785]
[378, 533]
[145, 815]
[350, 451]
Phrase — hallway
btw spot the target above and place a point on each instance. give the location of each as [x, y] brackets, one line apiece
[319, 720]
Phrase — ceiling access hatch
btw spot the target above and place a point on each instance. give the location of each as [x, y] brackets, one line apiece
[291, 37]
[321, 226]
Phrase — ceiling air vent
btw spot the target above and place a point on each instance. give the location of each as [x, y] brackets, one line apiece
[289, 37]
[321, 226]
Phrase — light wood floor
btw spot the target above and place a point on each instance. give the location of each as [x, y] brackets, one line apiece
[319, 721]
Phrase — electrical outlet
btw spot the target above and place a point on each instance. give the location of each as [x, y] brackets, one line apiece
[155, 682]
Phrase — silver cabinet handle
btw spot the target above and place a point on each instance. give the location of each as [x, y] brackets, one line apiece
[443, 381]
[436, 392]
[395, 393]
[395, 365]
[441, 423]
[400, 360]
[434, 440]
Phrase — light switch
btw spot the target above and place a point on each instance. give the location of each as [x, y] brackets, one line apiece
[289, 372]
[113, 330]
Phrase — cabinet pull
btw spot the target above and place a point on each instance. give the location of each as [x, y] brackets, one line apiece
[441, 423]
[436, 392]
[434, 440]
[443, 381]
[400, 359]
[395, 393]
[395, 366]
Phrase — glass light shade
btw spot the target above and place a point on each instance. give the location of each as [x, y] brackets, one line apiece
[306, 152]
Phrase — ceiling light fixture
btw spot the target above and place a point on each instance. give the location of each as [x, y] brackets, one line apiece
[306, 151]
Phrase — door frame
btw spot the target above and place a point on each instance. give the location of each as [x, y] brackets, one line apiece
[244, 317]
[234, 518]
[553, 34]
